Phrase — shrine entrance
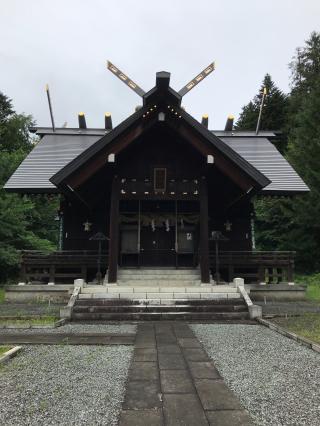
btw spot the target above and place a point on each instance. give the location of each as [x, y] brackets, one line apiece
[159, 233]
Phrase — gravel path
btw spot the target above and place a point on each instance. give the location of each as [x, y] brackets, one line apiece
[64, 386]
[77, 328]
[276, 379]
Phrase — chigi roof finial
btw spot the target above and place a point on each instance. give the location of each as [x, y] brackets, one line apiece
[163, 79]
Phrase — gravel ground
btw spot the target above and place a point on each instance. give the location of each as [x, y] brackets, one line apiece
[64, 386]
[77, 328]
[276, 379]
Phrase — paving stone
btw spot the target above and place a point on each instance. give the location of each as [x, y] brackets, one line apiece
[215, 395]
[169, 349]
[141, 395]
[145, 354]
[183, 410]
[141, 418]
[183, 332]
[145, 343]
[163, 328]
[166, 339]
[195, 354]
[171, 362]
[144, 371]
[228, 418]
[203, 370]
[187, 342]
[176, 381]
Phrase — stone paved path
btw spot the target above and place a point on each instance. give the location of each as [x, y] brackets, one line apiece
[172, 382]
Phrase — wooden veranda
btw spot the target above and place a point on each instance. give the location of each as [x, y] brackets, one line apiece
[271, 267]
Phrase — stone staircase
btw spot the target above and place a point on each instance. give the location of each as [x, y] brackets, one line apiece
[159, 277]
[159, 294]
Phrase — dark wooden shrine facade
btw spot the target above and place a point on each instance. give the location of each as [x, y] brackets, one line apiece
[157, 186]
[158, 203]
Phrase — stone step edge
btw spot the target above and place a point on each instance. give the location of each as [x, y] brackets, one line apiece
[160, 296]
[225, 315]
[157, 278]
[150, 289]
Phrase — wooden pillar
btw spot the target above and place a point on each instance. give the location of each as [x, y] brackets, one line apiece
[290, 272]
[204, 231]
[114, 231]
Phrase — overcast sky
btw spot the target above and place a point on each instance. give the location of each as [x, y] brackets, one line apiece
[66, 43]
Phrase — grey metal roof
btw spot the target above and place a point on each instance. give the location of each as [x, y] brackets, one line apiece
[56, 150]
[263, 155]
[53, 152]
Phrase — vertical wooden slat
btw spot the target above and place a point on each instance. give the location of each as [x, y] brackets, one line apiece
[114, 231]
[261, 274]
[52, 273]
[204, 231]
[23, 275]
[290, 271]
[84, 272]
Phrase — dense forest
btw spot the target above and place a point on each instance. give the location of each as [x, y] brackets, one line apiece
[292, 223]
[28, 221]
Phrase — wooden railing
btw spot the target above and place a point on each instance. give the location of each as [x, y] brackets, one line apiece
[64, 266]
[271, 267]
[60, 266]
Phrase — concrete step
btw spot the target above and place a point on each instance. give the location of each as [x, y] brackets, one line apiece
[148, 316]
[147, 302]
[158, 271]
[113, 289]
[161, 296]
[176, 272]
[160, 283]
[158, 308]
[159, 278]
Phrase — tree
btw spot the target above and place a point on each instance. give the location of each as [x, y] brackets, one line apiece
[14, 128]
[304, 150]
[26, 222]
[274, 113]
[5, 108]
[293, 223]
[305, 65]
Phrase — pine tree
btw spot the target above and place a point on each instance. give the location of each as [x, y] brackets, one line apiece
[294, 223]
[274, 113]
[304, 150]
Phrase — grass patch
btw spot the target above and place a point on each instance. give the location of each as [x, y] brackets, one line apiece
[307, 325]
[4, 349]
[28, 321]
[312, 282]
[2, 295]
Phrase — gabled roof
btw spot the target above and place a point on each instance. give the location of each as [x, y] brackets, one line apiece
[56, 150]
[135, 120]
[61, 153]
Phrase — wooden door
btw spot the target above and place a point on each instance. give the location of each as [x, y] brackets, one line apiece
[158, 246]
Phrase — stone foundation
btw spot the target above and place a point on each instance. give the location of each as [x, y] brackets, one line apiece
[276, 292]
[38, 293]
